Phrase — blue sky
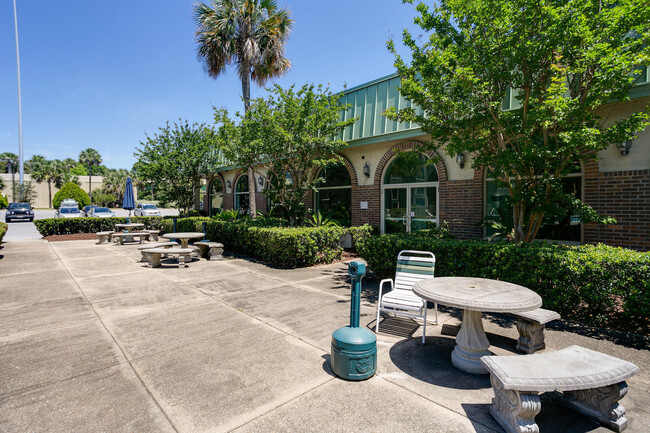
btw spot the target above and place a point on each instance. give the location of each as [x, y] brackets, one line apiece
[102, 74]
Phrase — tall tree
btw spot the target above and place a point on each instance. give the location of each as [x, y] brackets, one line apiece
[90, 158]
[175, 159]
[292, 133]
[43, 170]
[248, 33]
[561, 60]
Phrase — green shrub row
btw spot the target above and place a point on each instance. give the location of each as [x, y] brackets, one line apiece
[3, 230]
[287, 247]
[597, 285]
[66, 226]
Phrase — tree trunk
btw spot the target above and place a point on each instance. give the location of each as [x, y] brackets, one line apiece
[49, 190]
[246, 92]
[90, 183]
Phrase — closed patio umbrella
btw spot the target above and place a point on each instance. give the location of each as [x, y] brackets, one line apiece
[128, 202]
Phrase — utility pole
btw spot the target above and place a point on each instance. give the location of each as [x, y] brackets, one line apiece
[21, 168]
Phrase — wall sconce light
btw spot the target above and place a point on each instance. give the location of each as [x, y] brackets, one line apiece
[624, 147]
[460, 160]
[228, 184]
[366, 170]
[260, 180]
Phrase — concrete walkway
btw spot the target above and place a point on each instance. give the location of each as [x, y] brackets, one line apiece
[92, 340]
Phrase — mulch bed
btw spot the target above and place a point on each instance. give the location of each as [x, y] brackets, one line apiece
[72, 237]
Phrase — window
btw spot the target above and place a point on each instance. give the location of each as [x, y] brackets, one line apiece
[409, 194]
[242, 201]
[566, 228]
[334, 194]
[216, 197]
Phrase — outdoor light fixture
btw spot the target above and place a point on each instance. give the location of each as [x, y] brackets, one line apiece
[460, 160]
[228, 184]
[260, 180]
[624, 147]
[366, 170]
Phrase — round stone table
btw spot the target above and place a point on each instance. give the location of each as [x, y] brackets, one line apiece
[475, 295]
[184, 237]
[128, 227]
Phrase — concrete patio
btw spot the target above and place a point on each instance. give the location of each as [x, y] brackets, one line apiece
[92, 340]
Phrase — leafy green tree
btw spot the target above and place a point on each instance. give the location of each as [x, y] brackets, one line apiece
[46, 171]
[90, 158]
[115, 182]
[292, 133]
[70, 190]
[5, 157]
[563, 61]
[248, 33]
[175, 159]
[103, 199]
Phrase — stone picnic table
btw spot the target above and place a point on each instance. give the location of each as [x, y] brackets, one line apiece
[184, 237]
[475, 295]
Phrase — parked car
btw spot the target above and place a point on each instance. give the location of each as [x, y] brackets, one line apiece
[69, 202]
[101, 212]
[146, 209]
[68, 212]
[19, 211]
[87, 209]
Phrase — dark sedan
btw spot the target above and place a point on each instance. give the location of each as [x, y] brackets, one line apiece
[19, 211]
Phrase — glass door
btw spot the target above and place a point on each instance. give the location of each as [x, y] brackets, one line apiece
[423, 208]
[395, 206]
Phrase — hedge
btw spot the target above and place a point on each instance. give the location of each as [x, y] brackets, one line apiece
[66, 226]
[597, 285]
[271, 241]
[3, 230]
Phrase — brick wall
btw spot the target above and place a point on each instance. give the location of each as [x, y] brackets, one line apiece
[461, 206]
[624, 195]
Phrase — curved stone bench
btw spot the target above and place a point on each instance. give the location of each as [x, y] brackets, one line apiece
[104, 237]
[183, 254]
[530, 325]
[154, 234]
[145, 256]
[591, 383]
[210, 250]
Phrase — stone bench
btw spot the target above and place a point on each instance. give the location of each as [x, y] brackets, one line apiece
[120, 237]
[104, 237]
[155, 254]
[589, 382]
[530, 325]
[210, 250]
[145, 256]
[154, 234]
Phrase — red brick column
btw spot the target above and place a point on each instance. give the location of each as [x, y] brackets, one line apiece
[461, 205]
[624, 195]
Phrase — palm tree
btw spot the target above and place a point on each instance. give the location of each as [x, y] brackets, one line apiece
[90, 158]
[43, 170]
[250, 34]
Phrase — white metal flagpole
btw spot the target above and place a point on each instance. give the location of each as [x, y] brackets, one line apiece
[20, 113]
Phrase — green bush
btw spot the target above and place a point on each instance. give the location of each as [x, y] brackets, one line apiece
[66, 226]
[597, 285]
[268, 240]
[3, 230]
[3, 201]
[70, 190]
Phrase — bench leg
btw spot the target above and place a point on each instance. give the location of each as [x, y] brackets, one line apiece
[154, 260]
[531, 336]
[514, 410]
[600, 404]
[102, 239]
[216, 254]
[154, 237]
[181, 261]
[145, 257]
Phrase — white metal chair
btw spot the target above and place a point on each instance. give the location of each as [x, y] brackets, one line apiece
[412, 266]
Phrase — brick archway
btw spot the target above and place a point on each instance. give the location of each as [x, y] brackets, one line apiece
[311, 197]
[206, 199]
[408, 145]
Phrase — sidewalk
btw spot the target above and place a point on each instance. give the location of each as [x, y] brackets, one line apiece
[93, 340]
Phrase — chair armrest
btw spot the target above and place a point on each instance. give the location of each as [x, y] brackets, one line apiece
[381, 285]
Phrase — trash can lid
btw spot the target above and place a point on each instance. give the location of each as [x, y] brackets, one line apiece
[354, 338]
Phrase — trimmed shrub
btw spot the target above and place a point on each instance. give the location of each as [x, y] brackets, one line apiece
[67, 226]
[70, 190]
[287, 247]
[597, 285]
[3, 202]
[3, 230]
